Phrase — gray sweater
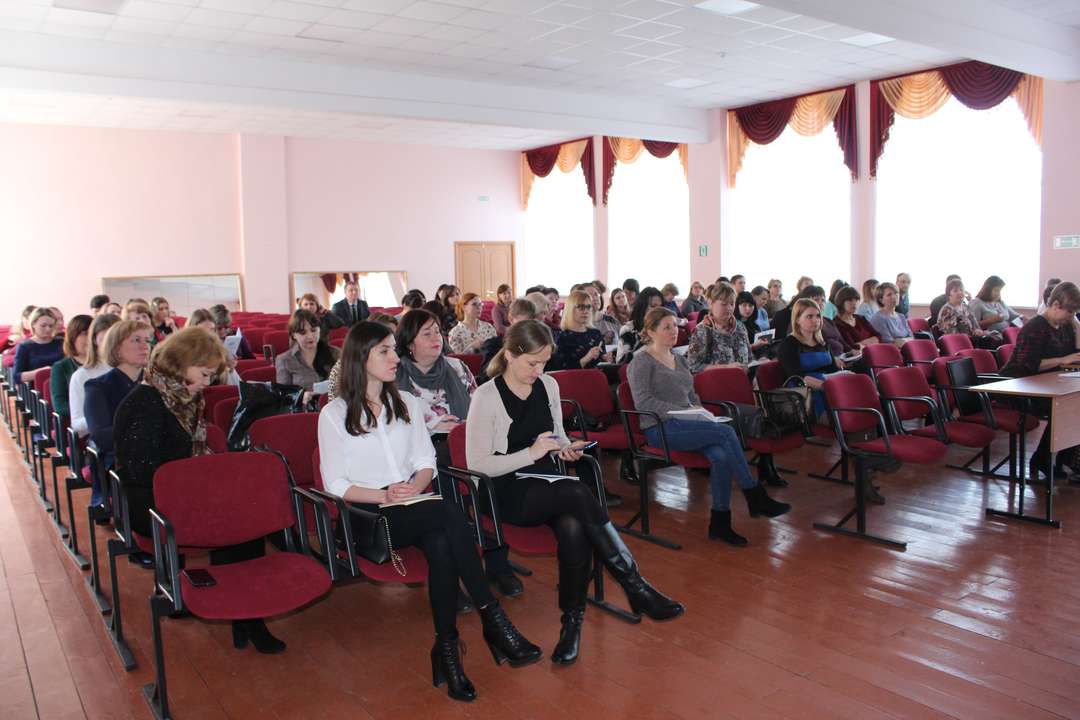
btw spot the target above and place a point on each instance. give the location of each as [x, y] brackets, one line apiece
[659, 389]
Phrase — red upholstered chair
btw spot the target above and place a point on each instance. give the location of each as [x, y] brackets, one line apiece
[338, 333]
[473, 361]
[586, 392]
[1004, 354]
[770, 376]
[856, 410]
[919, 325]
[223, 412]
[954, 343]
[214, 394]
[215, 501]
[921, 354]
[255, 335]
[294, 437]
[78, 478]
[684, 337]
[242, 365]
[1011, 334]
[985, 363]
[277, 341]
[267, 373]
[623, 370]
[727, 391]
[180, 321]
[215, 439]
[880, 356]
[42, 438]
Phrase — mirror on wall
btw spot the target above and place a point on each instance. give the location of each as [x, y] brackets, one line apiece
[378, 288]
[185, 293]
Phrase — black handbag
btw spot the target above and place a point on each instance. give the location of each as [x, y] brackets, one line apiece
[259, 400]
[752, 421]
[786, 409]
[371, 533]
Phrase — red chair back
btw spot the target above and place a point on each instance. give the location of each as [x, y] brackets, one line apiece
[296, 436]
[180, 321]
[473, 361]
[215, 439]
[214, 394]
[626, 402]
[588, 388]
[223, 412]
[220, 500]
[882, 355]
[456, 441]
[770, 375]
[338, 333]
[1004, 354]
[1012, 333]
[905, 381]
[919, 325]
[242, 365]
[623, 370]
[954, 343]
[255, 337]
[684, 337]
[730, 384]
[853, 391]
[985, 362]
[42, 384]
[266, 373]
[918, 352]
[277, 339]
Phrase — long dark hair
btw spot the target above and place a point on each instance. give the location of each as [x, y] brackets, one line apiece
[986, 292]
[641, 306]
[354, 379]
[324, 356]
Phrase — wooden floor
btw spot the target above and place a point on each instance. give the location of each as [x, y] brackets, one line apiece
[978, 619]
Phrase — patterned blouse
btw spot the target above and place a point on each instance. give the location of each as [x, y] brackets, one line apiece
[711, 346]
[957, 319]
[461, 337]
[573, 345]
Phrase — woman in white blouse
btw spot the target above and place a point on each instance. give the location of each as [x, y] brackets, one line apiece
[95, 367]
[373, 452]
[470, 333]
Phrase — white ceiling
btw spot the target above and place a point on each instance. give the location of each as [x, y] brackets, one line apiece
[525, 71]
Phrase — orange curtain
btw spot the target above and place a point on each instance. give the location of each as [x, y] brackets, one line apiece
[568, 158]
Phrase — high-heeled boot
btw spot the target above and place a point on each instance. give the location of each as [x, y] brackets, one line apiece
[505, 641]
[759, 503]
[259, 635]
[644, 598]
[573, 586]
[446, 667]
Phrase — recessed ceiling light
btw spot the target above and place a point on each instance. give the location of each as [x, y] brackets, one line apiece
[686, 83]
[727, 7]
[867, 39]
[108, 7]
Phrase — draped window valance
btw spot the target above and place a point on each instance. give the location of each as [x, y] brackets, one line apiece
[806, 114]
[566, 156]
[628, 150]
[977, 85]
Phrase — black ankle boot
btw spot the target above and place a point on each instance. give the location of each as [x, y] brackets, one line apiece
[504, 640]
[720, 528]
[259, 635]
[498, 571]
[767, 472]
[446, 667]
[759, 503]
[573, 587]
[644, 598]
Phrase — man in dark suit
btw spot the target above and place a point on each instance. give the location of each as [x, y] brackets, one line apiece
[352, 309]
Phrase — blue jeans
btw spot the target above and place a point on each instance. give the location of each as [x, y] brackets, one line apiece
[719, 444]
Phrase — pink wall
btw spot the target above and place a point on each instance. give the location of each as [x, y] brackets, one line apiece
[96, 202]
[1061, 159]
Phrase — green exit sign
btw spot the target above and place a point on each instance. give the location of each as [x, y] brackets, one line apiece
[1066, 242]
[703, 250]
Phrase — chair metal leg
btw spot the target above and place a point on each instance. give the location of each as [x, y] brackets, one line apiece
[859, 513]
[520, 569]
[94, 578]
[643, 513]
[58, 514]
[597, 597]
[114, 625]
[828, 476]
[156, 694]
[72, 545]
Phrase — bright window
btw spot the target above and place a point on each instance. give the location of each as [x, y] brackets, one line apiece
[960, 192]
[649, 223]
[790, 213]
[557, 245]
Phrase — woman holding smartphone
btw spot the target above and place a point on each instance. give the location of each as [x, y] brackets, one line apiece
[515, 427]
[580, 345]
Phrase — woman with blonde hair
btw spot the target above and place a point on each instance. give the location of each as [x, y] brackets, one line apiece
[804, 354]
[137, 309]
[869, 306]
[41, 349]
[470, 333]
[580, 345]
[21, 329]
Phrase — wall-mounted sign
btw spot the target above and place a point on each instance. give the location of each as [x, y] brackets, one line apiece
[1066, 242]
[703, 250]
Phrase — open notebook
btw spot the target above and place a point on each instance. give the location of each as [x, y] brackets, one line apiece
[542, 476]
[422, 497]
[698, 414]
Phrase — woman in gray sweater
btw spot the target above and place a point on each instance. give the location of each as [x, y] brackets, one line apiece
[660, 382]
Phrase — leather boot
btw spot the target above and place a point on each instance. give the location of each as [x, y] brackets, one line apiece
[498, 571]
[505, 641]
[767, 472]
[644, 598]
[720, 528]
[759, 503]
[259, 635]
[446, 667]
[573, 586]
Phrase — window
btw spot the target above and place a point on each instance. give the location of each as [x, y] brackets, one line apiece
[649, 223]
[960, 192]
[557, 243]
[790, 213]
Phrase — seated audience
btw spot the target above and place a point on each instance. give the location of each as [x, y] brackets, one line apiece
[223, 327]
[201, 317]
[161, 420]
[776, 301]
[96, 365]
[372, 466]
[520, 309]
[138, 310]
[828, 311]
[127, 350]
[436, 308]
[1047, 342]
[350, 309]
[804, 282]
[761, 298]
[41, 349]
[956, 318]
[695, 302]
[76, 341]
[629, 333]
[719, 340]
[803, 353]
[660, 382]
[890, 324]
[668, 293]
[164, 321]
[990, 310]
[451, 296]
[746, 310]
[412, 300]
[739, 283]
[309, 358]
[580, 345]
[869, 305]
[97, 304]
[500, 312]
[514, 427]
[21, 330]
[327, 320]
[903, 284]
[608, 327]
[113, 309]
[470, 333]
[781, 320]
[940, 301]
[618, 310]
[443, 383]
[60, 328]
[854, 328]
[631, 288]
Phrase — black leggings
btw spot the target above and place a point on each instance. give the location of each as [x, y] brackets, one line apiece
[566, 506]
[439, 529]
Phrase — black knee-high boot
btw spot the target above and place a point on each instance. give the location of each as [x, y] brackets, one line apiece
[573, 587]
[643, 597]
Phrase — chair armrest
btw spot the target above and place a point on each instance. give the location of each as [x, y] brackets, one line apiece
[599, 479]
[732, 411]
[473, 479]
[634, 448]
[346, 529]
[928, 401]
[166, 560]
[322, 528]
[991, 377]
[121, 513]
[579, 415]
[838, 427]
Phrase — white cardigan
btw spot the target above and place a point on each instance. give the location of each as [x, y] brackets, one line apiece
[488, 427]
